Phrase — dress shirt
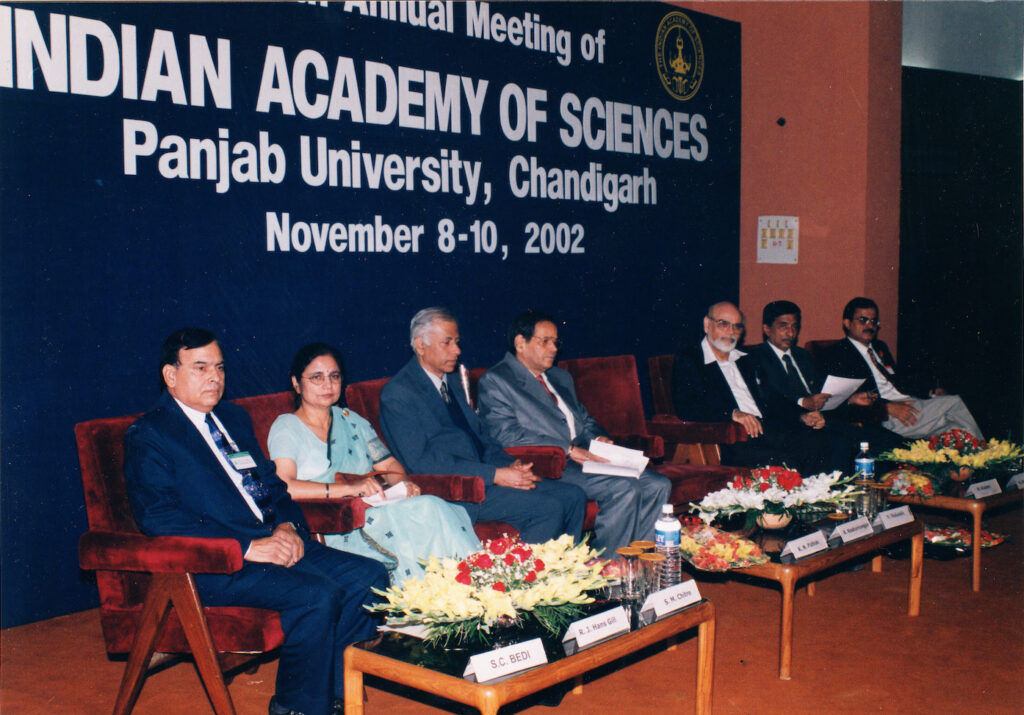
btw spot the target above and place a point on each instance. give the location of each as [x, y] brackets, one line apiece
[886, 390]
[199, 420]
[563, 407]
[779, 354]
[436, 381]
[740, 392]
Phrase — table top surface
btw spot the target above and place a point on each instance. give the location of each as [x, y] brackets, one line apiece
[959, 503]
[826, 559]
[397, 652]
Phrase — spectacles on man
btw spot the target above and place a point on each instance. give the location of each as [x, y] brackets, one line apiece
[864, 320]
[557, 342]
[318, 378]
[726, 325]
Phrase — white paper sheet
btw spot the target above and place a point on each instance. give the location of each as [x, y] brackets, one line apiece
[840, 388]
[392, 494]
[622, 461]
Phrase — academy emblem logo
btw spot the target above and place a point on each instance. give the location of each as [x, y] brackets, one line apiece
[679, 55]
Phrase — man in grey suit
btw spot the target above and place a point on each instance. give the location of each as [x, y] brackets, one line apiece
[524, 400]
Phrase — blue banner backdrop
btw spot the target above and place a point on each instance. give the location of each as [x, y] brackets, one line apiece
[281, 173]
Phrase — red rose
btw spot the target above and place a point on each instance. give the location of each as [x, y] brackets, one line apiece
[764, 486]
[498, 546]
[510, 559]
[531, 577]
[499, 586]
[538, 565]
[462, 577]
[482, 561]
[463, 566]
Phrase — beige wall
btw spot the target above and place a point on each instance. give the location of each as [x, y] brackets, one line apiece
[833, 70]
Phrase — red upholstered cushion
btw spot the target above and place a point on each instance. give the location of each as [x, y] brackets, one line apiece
[691, 483]
[610, 390]
[548, 462]
[453, 487]
[263, 410]
[239, 630]
[675, 431]
[494, 530]
[364, 398]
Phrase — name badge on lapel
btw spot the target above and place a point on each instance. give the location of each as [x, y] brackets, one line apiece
[242, 460]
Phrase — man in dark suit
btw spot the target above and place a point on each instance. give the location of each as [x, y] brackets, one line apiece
[431, 429]
[193, 467]
[525, 400]
[715, 382]
[791, 384]
[862, 356]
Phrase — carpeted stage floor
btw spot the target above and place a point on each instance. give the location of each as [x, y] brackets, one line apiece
[855, 650]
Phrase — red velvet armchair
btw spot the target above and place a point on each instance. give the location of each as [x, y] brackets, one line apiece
[610, 390]
[688, 442]
[148, 600]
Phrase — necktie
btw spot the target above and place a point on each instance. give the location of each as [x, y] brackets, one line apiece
[459, 419]
[877, 361]
[794, 377]
[251, 482]
[540, 379]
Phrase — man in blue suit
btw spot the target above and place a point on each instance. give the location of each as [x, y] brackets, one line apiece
[525, 400]
[432, 430]
[193, 467]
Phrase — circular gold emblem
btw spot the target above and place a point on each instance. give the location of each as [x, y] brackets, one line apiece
[679, 55]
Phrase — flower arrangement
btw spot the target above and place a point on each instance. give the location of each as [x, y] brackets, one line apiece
[776, 490]
[462, 601]
[710, 549]
[954, 455]
[909, 482]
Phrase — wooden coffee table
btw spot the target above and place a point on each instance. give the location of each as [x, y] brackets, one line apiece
[488, 697]
[974, 507]
[787, 575]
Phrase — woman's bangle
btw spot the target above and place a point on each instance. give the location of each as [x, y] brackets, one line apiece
[327, 490]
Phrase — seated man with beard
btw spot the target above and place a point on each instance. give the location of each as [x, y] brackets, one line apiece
[714, 382]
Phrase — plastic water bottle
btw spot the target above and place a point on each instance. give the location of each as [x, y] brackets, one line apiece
[666, 541]
[864, 462]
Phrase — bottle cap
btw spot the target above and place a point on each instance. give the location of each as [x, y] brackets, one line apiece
[864, 446]
[667, 509]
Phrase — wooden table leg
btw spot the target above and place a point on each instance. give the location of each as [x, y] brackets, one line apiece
[577, 685]
[353, 689]
[876, 564]
[916, 567]
[977, 509]
[705, 664]
[786, 632]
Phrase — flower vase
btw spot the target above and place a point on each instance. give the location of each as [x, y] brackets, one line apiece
[773, 521]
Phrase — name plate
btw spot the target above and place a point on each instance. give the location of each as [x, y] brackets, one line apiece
[494, 664]
[987, 488]
[669, 600]
[805, 545]
[594, 629]
[891, 518]
[1016, 482]
[853, 530]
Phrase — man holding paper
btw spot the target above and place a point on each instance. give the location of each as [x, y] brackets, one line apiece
[792, 386]
[862, 355]
[524, 400]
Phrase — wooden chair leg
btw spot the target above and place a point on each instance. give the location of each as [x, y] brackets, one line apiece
[154, 612]
[178, 590]
[190, 612]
